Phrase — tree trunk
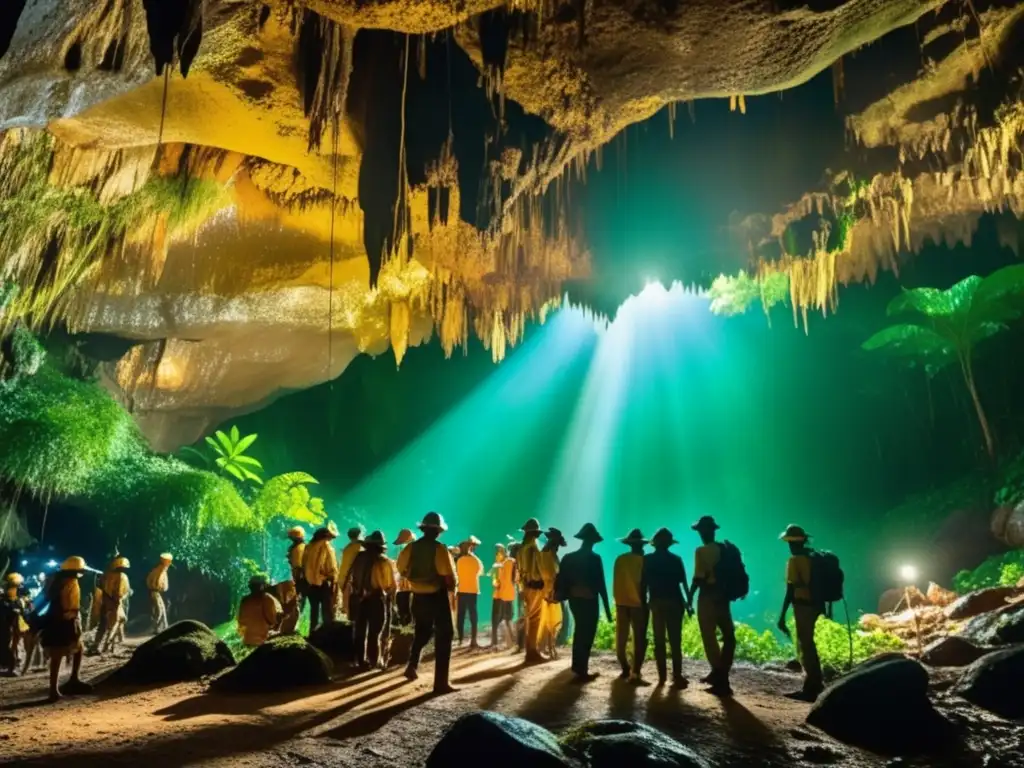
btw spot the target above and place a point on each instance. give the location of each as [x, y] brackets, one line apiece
[965, 366]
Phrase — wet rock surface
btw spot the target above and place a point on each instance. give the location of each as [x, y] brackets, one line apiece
[613, 743]
[995, 682]
[509, 742]
[952, 651]
[982, 601]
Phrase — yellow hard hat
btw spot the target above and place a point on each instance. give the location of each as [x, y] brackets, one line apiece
[15, 579]
[404, 537]
[73, 563]
[167, 557]
[120, 562]
[297, 533]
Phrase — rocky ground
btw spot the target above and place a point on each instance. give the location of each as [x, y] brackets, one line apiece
[380, 719]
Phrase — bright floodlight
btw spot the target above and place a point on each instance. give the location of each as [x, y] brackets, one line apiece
[24, 563]
[908, 573]
[51, 564]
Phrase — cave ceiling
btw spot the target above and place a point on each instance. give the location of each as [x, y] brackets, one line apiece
[247, 195]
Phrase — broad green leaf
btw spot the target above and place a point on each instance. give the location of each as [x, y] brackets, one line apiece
[234, 433]
[983, 331]
[222, 461]
[215, 445]
[245, 442]
[911, 340]
[248, 461]
[226, 442]
[235, 471]
[1000, 297]
[934, 302]
[251, 475]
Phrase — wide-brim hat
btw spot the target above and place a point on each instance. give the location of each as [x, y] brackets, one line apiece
[296, 532]
[14, 579]
[589, 533]
[500, 548]
[531, 526]
[794, 533]
[120, 562]
[330, 529]
[554, 535]
[167, 557]
[472, 541]
[663, 536]
[74, 563]
[405, 536]
[376, 539]
[433, 521]
[634, 537]
[706, 523]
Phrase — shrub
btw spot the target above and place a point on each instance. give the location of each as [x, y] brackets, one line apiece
[1003, 570]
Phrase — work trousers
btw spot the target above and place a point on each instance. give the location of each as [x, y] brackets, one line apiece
[403, 605]
[585, 615]
[158, 611]
[321, 603]
[370, 614]
[667, 619]
[501, 616]
[714, 613]
[467, 605]
[533, 611]
[806, 617]
[432, 616]
[631, 619]
[552, 625]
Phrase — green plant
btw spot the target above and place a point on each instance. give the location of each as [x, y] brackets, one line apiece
[231, 458]
[287, 496]
[950, 324]
[1004, 570]
[733, 295]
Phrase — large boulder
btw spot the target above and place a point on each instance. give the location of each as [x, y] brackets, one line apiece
[508, 742]
[951, 651]
[277, 665]
[615, 743]
[187, 650]
[883, 706]
[335, 638]
[995, 681]
[997, 627]
[1010, 627]
[1007, 524]
[979, 602]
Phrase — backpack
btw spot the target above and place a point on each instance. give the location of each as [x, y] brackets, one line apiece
[730, 573]
[827, 578]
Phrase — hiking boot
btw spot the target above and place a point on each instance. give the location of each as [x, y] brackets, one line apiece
[535, 658]
[410, 673]
[809, 695]
[679, 683]
[76, 688]
[720, 688]
[441, 690]
[638, 681]
[624, 675]
[709, 678]
[586, 677]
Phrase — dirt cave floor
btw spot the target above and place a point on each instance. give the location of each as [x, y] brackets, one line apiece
[380, 719]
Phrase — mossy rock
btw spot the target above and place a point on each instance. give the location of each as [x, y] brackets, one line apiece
[187, 650]
[614, 743]
[278, 665]
[335, 638]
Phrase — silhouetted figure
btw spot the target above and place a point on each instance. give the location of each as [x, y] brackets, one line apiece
[551, 623]
[403, 598]
[348, 556]
[371, 587]
[663, 574]
[631, 612]
[296, 550]
[12, 610]
[320, 566]
[581, 578]
[428, 566]
[713, 610]
[532, 590]
[114, 591]
[469, 570]
[805, 610]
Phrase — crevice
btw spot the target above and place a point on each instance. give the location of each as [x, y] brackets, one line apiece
[73, 57]
[10, 12]
[324, 60]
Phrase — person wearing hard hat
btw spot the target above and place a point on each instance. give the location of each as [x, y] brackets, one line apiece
[158, 584]
[428, 566]
[259, 612]
[468, 569]
[805, 610]
[288, 596]
[62, 630]
[296, 550]
[631, 614]
[503, 582]
[582, 579]
[551, 623]
[519, 614]
[531, 582]
[372, 585]
[348, 556]
[320, 567]
[713, 610]
[12, 622]
[664, 582]
[403, 598]
[114, 590]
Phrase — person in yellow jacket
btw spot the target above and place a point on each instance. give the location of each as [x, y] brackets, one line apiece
[348, 556]
[61, 633]
[259, 613]
[503, 583]
[631, 614]
[371, 588]
[403, 598]
[714, 613]
[532, 589]
[296, 550]
[320, 567]
[12, 622]
[157, 583]
[288, 596]
[114, 590]
[805, 611]
[469, 569]
[551, 623]
[428, 566]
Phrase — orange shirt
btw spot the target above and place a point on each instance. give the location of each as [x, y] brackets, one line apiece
[469, 569]
[506, 589]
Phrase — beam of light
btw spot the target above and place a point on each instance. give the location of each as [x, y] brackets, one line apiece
[908, 573]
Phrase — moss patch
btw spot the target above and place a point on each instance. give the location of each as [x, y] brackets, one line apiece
[187, 650]
[278, 665]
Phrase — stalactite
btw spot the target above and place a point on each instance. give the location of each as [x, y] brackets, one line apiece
[175, 27]
[325, 53]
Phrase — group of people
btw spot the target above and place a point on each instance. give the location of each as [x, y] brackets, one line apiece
[436, 589]
[46, 620]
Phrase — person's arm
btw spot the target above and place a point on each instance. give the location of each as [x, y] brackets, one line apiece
[788, 599]
[698, 573]
[602, 588]
[687, 589]
[447, 570]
